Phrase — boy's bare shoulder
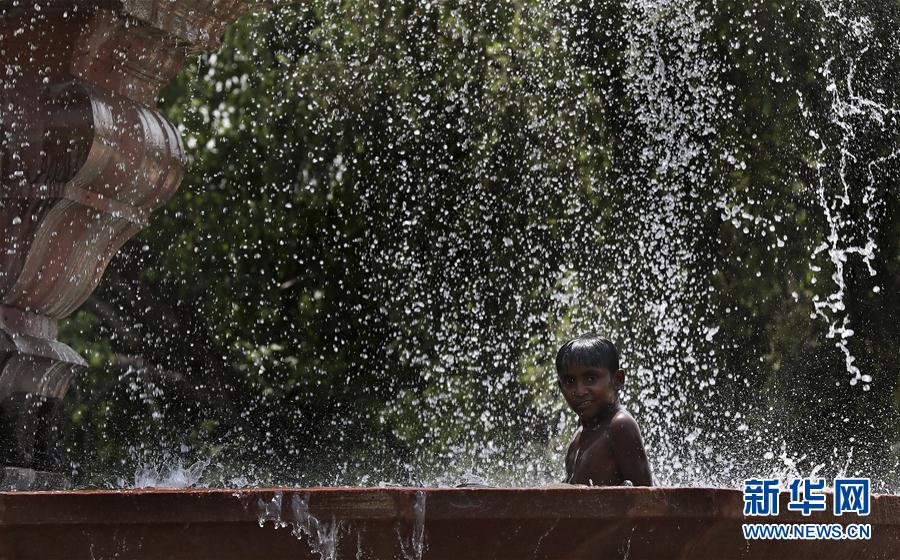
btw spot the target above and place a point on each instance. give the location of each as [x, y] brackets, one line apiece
[623, 425]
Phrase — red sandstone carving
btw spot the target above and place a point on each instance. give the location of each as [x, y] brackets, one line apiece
[84, 157]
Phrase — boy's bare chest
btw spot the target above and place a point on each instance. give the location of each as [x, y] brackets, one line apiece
[593, 461]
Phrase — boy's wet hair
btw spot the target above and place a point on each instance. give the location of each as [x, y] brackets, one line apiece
[588, 350]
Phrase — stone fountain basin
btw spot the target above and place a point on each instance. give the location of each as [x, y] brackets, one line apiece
[430, 523]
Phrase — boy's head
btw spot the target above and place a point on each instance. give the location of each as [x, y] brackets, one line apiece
[590, 350]
[589, 374]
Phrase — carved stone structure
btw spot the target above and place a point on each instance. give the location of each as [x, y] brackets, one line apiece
[84, 158]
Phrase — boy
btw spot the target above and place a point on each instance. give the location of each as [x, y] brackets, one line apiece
[607, 449]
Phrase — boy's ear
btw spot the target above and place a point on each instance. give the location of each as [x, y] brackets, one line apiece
[619, 379]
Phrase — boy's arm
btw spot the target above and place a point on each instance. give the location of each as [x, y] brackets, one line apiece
[570, 458]
[628, 449]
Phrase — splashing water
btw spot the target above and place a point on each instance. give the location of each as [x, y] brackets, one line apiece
[172, 475]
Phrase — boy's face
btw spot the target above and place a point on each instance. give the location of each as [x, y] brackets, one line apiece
[590, 390]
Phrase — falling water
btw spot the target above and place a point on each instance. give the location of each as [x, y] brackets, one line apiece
[854, 109]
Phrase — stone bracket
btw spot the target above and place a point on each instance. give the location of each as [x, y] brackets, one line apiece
[36, 366]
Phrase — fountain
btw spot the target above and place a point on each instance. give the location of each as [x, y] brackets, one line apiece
[85, 159]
